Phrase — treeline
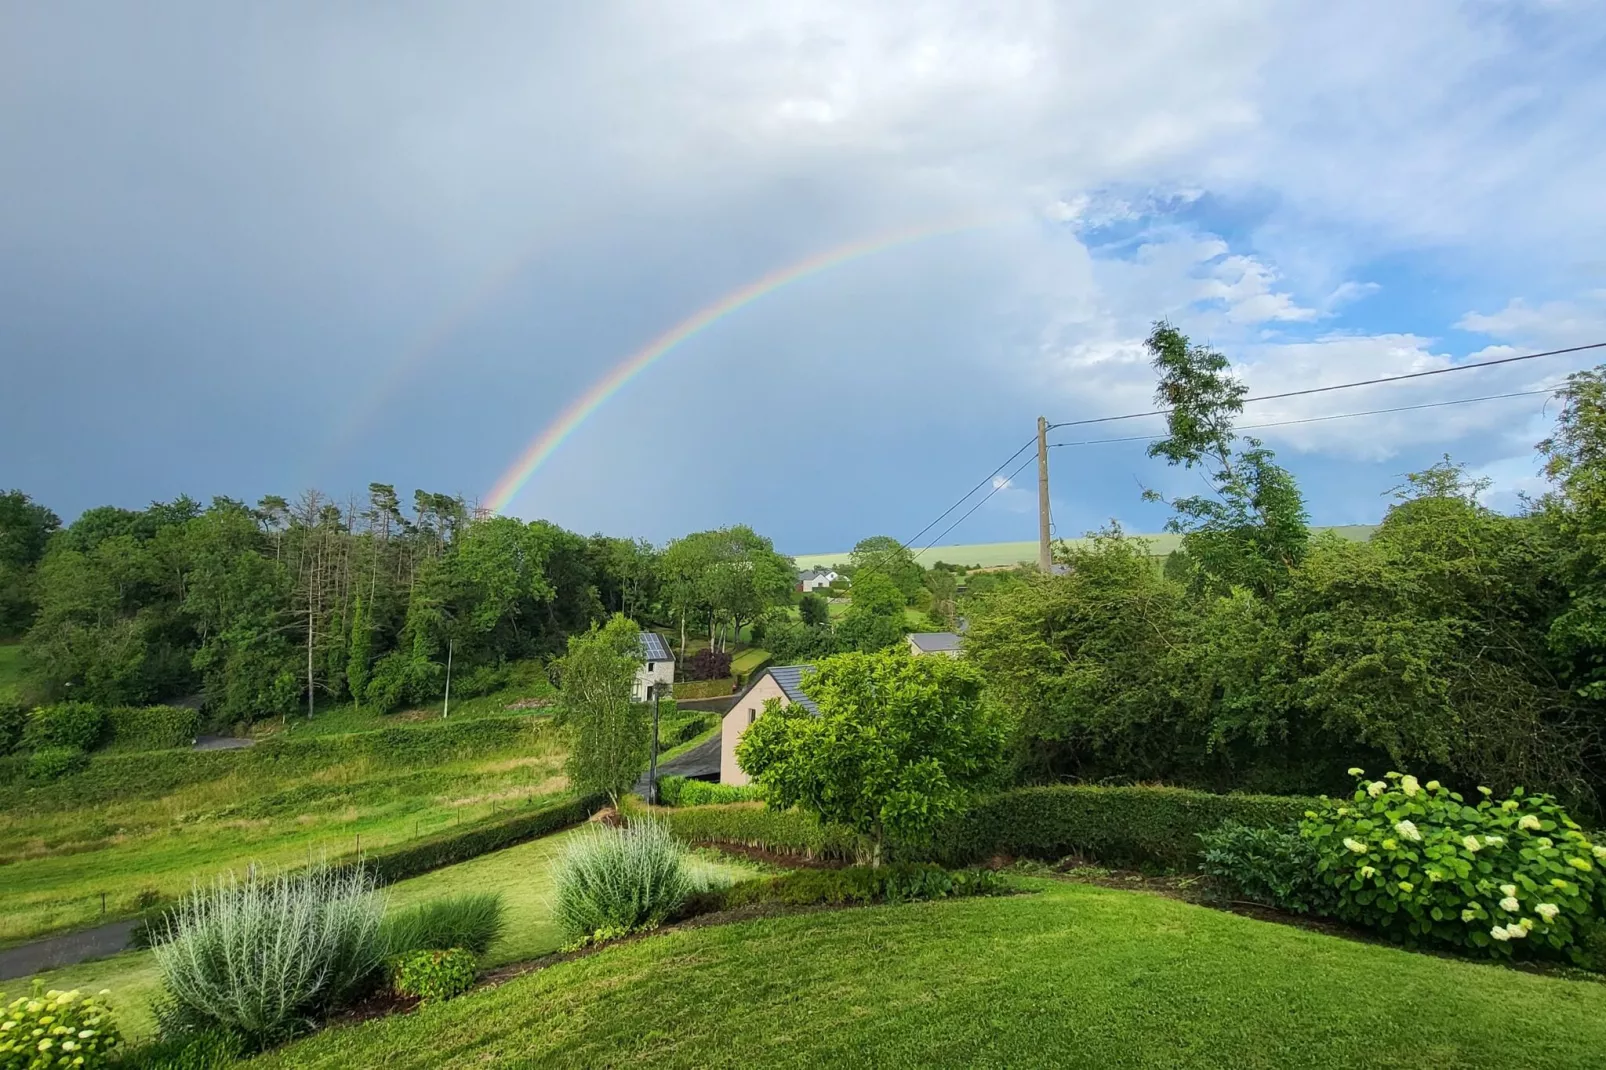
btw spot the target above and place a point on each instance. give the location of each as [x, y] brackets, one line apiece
[286, 605]
[1458, 641]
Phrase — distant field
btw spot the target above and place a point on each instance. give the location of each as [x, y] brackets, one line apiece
[995, 554]
[10, 669]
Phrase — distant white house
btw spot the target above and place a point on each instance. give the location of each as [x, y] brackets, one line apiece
[657, 665]
[934, 643]
[811, 578]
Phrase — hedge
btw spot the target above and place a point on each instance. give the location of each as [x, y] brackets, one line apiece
[681, 791]
[1147, 827]
[112, 777]
[142, 728]
[791, 832]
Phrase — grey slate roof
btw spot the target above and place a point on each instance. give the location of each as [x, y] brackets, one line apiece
[934, 642]
[653, 648]
[790, 677]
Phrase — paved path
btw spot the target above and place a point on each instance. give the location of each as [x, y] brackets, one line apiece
[223, 743]
[66, 950]
[701, 761]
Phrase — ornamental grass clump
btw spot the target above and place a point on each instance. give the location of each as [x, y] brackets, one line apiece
[474, 920]
[612, 881]
[265, 956]
[1511, 878]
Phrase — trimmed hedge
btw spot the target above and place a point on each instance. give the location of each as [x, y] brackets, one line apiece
[112, 777]
[791, 832]
[461, 844]
[680, 791]
[1131, 826]
[143, 728]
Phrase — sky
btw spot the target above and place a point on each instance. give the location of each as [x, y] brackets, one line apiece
[256, 248]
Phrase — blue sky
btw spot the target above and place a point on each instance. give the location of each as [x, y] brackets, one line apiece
[247, 250]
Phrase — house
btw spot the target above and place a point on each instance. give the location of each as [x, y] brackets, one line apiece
[783, 682]
[657, 666]
[812, 578]
[934, 643]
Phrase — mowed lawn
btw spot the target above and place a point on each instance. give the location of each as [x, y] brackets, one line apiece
[1070, 976]
[523, 874]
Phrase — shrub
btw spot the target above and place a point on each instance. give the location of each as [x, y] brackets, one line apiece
[143, 728]
[13, 719]
[57, 1029]
[708, 664]
[681, 791]
[1146, 827]
[1273, 865]
[53, 763]
[1518, 877]
[791, 832]
[433, 975]
[66, 724]
[618, 880]
[473, 921]
[264, 956]
[900, 883]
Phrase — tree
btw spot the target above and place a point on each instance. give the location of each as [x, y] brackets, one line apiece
[25, 530]
[611, 731]
[875, 620]
[812, 609]
[900, 744]
[359, 652]
[889, 557]
[1252, 529]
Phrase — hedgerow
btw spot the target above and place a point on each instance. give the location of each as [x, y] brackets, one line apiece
[458, 845]
[898, 883]
[1147, 827]
[145, 728]
[790, 832]
[683, 791]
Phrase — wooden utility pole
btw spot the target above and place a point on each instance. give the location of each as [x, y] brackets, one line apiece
[1045, 553]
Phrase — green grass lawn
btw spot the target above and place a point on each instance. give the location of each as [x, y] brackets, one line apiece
[10, 669]
[1072, 976]
[522, 874]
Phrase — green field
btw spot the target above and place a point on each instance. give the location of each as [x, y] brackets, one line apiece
[998, 554]
[522, 874]
[56, 863]
[10, 669]
[1070, 976]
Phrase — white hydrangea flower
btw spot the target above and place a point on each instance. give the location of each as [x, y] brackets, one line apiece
[1390, 845]
[1356, 770]
[1494, 841]
[1510, 905]
[1509, 805]
[1367, 872]
[1598, 851]
[1499, 933]
[1519, 931]
[1408, 830]
[1376, 788]
[1548, 911]
[1470, 843]
[1410, 785]
[1508, 889]
[1355, 845]
[1435, 875]
[1468, 915]
[1433, 785]
[1545, 841]
[1528, 821]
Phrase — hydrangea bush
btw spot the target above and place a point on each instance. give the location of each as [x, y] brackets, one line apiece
[1507, 878]
[51, 1029]
[433, 975]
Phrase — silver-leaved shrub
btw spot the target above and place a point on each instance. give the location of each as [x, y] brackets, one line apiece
[1517, 877]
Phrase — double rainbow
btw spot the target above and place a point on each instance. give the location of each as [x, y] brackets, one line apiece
[552, 436]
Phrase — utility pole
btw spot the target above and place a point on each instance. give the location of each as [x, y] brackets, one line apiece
[1045, 553]
[652, 771]
[446, 706]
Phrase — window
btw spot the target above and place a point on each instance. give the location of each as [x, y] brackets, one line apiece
[752, 715]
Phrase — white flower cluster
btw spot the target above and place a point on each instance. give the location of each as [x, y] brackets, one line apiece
[1408, 830]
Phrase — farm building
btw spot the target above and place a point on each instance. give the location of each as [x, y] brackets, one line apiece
[782, 682]
[657, 665]
[934, 643]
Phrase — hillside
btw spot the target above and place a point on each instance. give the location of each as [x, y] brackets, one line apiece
[994, 554]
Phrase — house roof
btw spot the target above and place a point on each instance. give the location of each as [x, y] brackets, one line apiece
[653, 648]
[934, 642]
[815, 574]
[790, 679]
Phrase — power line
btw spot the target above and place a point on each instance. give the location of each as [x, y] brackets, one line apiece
[998, 485]
[1319, 419]
[1348, 386]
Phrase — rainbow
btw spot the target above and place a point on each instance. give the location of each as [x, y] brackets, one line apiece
[552, 436]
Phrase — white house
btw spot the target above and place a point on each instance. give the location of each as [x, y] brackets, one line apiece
[782, 682]
[811, 578]
[657, 665]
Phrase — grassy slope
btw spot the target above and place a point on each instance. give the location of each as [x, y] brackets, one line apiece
[1073, 976]
[993, 554]
[60, 862]
[10, 669]
[522, 874]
